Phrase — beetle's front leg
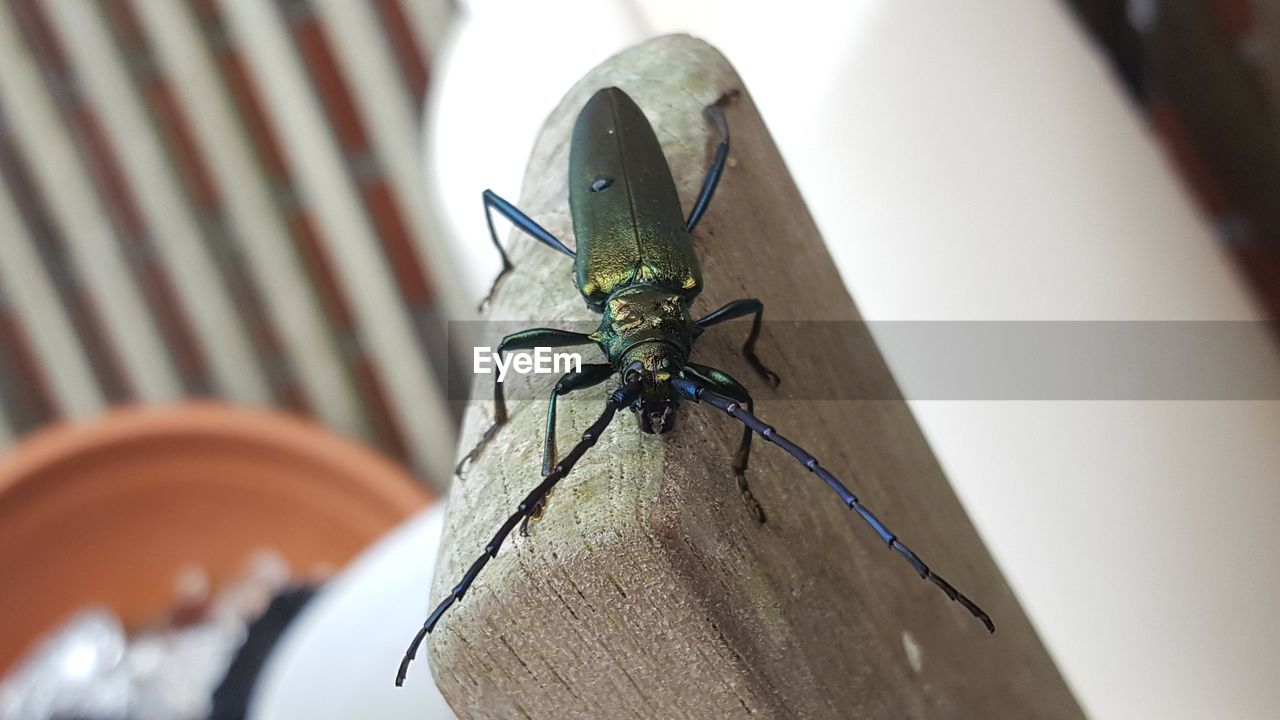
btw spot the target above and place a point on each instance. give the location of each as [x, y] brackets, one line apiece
[588, 376]
[737, 309]
[523, 340]
[724, 383]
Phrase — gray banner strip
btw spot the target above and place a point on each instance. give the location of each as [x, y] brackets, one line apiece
[1170, 360]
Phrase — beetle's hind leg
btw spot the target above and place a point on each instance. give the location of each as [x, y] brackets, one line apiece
[737, 309]
[494, 201]
[724, 383]
[712, 179]
[523, 340]
[588, 376]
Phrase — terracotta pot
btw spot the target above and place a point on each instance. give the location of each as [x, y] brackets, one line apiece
[107, 512]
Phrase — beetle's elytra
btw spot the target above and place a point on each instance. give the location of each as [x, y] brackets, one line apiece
[635, 265]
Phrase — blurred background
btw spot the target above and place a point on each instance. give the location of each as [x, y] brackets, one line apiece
[275, 204]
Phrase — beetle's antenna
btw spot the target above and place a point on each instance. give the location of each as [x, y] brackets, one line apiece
[698, 392]
[619, 399]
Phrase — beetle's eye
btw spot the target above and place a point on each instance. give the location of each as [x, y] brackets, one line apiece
[634, 371]
[600, 183]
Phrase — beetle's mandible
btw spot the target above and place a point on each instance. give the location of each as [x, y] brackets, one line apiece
[635, 265]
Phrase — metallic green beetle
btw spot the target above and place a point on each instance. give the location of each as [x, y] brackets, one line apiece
[635, 264]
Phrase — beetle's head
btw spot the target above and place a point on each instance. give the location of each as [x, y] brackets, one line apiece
[654, 364]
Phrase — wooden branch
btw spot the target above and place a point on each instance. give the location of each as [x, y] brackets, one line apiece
[648, 589]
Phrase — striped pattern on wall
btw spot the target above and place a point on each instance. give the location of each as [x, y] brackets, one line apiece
[221, 198]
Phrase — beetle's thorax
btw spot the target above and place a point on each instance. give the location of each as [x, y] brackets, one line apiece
[642, 315]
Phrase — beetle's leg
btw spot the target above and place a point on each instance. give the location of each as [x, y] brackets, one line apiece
[618, 399]
[725, 383]
[494, 201]
[589, 376]
[737, 309]
[716, 116]
[523, 340]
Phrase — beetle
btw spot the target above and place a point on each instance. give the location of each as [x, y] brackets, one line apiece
[635, 265]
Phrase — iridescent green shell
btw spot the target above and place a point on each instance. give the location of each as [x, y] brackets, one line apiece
[627, 219]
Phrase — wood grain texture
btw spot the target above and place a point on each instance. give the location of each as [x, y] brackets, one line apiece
[647, 589]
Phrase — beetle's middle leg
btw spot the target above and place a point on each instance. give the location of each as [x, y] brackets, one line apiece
[523, 340]
[494, 201]
[724, 383]
[737, 309]
[589, 376]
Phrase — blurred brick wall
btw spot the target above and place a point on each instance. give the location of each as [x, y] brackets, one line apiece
[1207, 74]
[27, 399]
